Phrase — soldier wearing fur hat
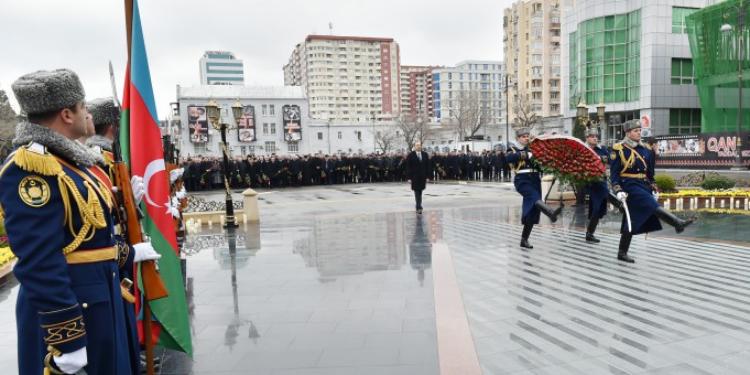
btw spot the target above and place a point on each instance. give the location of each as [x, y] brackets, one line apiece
[529, 184]
[105, 115]
[632, 178]
[58, 216]
[597, 191]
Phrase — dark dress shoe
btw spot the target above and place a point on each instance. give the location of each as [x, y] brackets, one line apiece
[525, 243]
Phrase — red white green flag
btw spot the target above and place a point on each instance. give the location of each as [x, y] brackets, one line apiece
[138, 126]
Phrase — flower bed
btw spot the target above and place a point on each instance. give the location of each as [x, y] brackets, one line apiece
[719, 201]
[6, 261]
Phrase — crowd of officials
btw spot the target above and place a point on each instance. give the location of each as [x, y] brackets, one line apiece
[205, 173]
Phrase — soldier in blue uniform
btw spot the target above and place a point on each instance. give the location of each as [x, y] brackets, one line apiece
[632, 177]
[598, 191]
[529, 184]
[58, 216]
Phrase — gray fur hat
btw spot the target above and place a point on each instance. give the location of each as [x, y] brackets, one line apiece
[630, 125]
[592, 132]
[522, 131]
[103, 111]
[46, 91]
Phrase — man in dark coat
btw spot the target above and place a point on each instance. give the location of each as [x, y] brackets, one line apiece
[418, 172]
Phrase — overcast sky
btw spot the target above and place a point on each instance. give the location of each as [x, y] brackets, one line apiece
[84, 35]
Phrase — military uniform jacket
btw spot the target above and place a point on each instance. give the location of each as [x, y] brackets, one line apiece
[527, 183]
[632, 171]
[598, 191]
[59, 224]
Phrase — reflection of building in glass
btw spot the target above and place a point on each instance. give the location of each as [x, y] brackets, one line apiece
[354, 245]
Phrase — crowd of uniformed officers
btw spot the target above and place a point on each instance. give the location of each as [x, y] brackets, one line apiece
[205, 173]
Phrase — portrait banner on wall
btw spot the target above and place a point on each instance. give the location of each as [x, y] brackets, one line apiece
[708, 150]
[197, 124]
[246, 125]
[292, 121]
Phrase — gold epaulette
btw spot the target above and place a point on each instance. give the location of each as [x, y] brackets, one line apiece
[617, 146]
[646, 145]
[35, 158]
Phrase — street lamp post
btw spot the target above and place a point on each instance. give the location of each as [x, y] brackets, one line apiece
[214, 115]
[600, 112]
[727, 28]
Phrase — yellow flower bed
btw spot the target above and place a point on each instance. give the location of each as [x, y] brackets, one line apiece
[707, 194]
[6, 256]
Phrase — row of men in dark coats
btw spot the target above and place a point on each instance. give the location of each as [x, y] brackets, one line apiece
[206, 173]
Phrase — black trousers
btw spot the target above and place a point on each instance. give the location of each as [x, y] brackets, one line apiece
[418, 198]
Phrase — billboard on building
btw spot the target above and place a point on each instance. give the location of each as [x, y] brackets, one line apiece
[711, 150]
[197, 124]
[246, 125]
[292, 121]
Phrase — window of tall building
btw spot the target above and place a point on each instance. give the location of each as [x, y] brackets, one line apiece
[678, 19]
[340, 135]
[605, 59]
[264, 110]
[270, 146]
[684, 120]
[293, 147]
[682, 71]
[265, 128]
[273, 128]
[320, 136]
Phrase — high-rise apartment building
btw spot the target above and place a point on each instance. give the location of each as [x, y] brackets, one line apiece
[474, 85]
[417, 91]
[347, 79]
[221, 68]
[531, 46]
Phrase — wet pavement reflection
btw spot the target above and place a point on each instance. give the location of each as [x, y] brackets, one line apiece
[335, 292]
[354, 294]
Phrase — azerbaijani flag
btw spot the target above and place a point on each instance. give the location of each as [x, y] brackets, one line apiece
[138, 126]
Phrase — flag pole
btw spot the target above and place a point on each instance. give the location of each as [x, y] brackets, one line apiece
[147, 332]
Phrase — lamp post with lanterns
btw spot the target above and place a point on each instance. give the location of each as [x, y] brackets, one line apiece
[213, 112]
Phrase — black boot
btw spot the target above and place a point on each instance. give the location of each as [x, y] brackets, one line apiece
[525, 236]
[678, 224]
[622, 253]
[548, 211]
[591, 229]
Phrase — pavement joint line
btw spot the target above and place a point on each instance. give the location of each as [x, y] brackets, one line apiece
[456, 352]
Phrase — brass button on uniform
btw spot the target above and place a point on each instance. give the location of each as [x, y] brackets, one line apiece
[85, 305]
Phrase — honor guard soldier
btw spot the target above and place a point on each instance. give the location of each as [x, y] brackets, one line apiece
[529, 184]
[598, 191]
[58, 217]
[632, 177]
[105, 116]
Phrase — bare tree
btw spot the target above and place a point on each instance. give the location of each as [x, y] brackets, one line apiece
[524, 114]
[407, 125]
[7, 125]
[385, 139]
[465, 113]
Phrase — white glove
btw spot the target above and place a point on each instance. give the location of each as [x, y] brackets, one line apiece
[529, 155]
[181, 194]
[656, 195]
[172, 208]
[72, 362]
[144, 251]
[175, 174]
[138, 189]
[622, 196]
